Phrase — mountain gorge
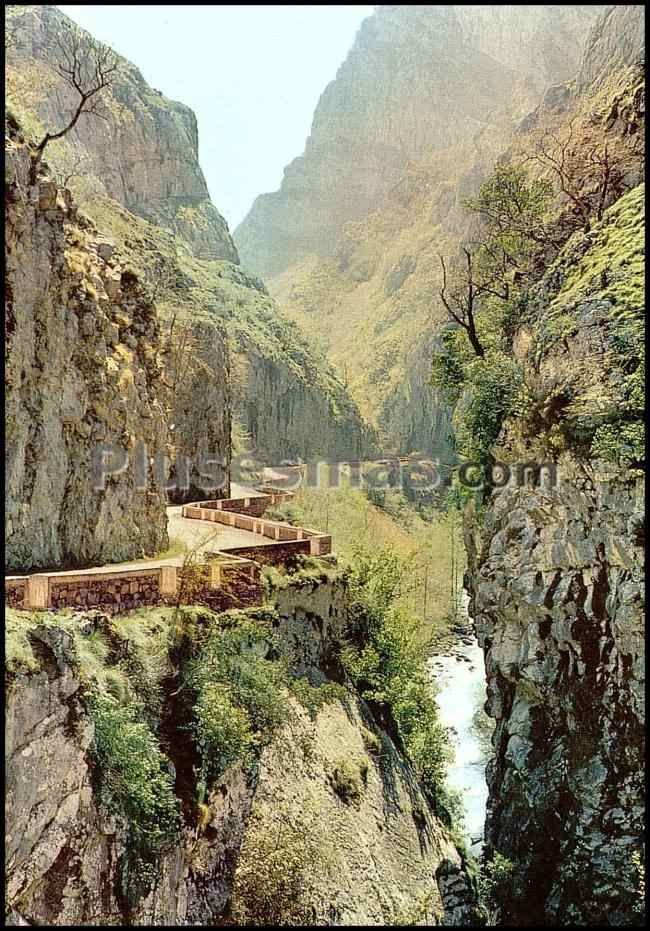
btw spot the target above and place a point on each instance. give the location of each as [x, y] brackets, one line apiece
[282, 760]
[554, 573]
[417, 115]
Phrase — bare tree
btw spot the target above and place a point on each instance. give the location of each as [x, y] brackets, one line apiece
[88, 67]
[589, 175]
[460, 298]
[181, 348]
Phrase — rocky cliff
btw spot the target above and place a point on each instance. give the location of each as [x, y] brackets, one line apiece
[82, 368]
[145, 189]
[418, 80]
[426, 101]
[327, 826]
[556, 579]
[143, 151]
[616, 41]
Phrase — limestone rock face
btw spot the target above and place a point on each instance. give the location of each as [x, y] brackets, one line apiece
[557, 594]
[57, 843]
[143, 153]
[200, 410]
[378, 858]
[558, 604]
[82, 369]
[291, 417]
[141, 183]
[427, 100]
[419, 79]
[616, 40]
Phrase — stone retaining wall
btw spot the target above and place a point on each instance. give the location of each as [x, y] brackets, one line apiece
[254, 506]
[233, 572]
[274, 553]
[117, 592]
[15, 589]
[320, 543]
[112, 592]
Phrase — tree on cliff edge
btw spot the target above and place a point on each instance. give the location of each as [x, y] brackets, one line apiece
[87, 66]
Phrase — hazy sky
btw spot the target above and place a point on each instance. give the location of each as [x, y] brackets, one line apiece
[252, 75]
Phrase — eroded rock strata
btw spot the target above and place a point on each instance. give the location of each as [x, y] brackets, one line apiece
[556, 579]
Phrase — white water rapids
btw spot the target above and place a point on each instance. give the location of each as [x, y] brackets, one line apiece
[460, 682]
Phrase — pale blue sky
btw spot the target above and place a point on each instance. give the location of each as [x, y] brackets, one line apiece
[252, 75]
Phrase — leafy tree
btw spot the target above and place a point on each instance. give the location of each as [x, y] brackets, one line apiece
[482, 298]
[386, 660]
[513, 209]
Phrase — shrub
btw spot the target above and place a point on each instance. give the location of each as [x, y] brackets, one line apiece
[495, 390]
[313, 697]
[386, 659]
[276, 870]
[223, 730]
[133, 783]
[494, 884]
[638, 879]
[371, 741]
[240, 695]
[622, 443]
[348, 780]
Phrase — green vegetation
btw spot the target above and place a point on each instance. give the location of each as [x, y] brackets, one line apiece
[386, 660]
[474, 365]
[497, 391]
[19, 655]
[349, 779]
[612, 267]
[241, 690]
[241, 696]
[596, 278]
[423, 913]
[638, 869]
[313, 697]
[134, 783]
[121, 666]
[494, 884]
[427, 539]
[282, 854]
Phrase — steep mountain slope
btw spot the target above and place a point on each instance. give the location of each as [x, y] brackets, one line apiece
[556, 568]
[419, 79]
[143, 151]
[426, 101]
[322, 822]
[375, 301]
[145, 189]
[616, 41]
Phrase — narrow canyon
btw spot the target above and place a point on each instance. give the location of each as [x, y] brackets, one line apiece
[324, 536]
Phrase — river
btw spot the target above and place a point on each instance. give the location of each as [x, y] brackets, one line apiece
[460, 681]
